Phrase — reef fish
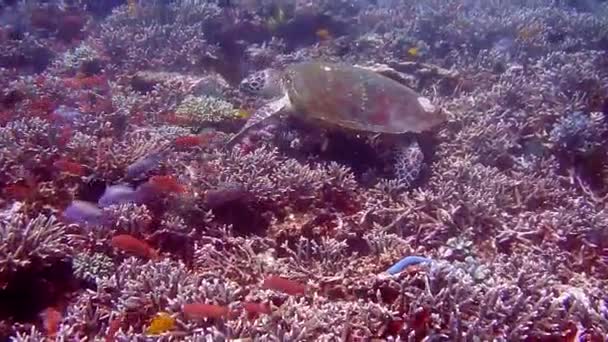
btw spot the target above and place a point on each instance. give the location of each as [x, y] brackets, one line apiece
[161, 323]
[144, 165]
[117, 194]
[51, 318]
[83, 212]
[291, 287]
[254, 309]
[133, 245]
[202, 310]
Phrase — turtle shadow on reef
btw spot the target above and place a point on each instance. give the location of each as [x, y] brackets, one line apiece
[231, 204]
[368, 161]
[301, 140]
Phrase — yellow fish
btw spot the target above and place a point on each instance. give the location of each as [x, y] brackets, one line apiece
[161, 323]
[413, 51]
[242, 114]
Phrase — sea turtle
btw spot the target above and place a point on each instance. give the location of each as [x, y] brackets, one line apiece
[341, 95]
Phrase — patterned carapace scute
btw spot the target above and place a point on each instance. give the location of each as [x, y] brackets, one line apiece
[357, 98]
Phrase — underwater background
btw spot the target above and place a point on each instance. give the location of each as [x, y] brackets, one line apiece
[450, 185]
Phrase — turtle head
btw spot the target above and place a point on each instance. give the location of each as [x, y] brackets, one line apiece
[431, 115]
[266, 83]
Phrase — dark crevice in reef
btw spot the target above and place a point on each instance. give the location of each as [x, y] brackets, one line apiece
[35, 287]
[91, 191]
[244, 217]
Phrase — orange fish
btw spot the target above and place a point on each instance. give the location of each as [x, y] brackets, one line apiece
[18, 192]
[113, 327]
[288, 286]
[51, 319]
[202, 310]
[69, 167]
[130, 244]
[166, 184]
[194, 140]
[188, 141]
[254, 309]
[323, 34]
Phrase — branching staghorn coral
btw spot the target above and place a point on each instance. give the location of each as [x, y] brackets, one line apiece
[129, 218]
[130, 39]
[270, 179]
[206, 109]
[95, 266]
[76, 58]
[243, 260]
[514, 231]
[133, 156]
[578, 133]
[25, 241]
[154, 286]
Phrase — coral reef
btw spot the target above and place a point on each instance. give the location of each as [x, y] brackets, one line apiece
[205, 109]
[123, 218]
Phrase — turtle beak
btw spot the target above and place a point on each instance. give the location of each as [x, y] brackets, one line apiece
[440, 116]
[435, 115]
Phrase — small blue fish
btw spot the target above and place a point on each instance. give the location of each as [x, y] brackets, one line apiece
[407, 262]
[82, 212]
[116, 194]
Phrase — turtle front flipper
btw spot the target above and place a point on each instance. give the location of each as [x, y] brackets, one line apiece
[262, 114]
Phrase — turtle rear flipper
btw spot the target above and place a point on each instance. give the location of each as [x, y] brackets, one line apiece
[262, 114]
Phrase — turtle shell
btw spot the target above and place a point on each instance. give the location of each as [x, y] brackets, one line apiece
[357, 98]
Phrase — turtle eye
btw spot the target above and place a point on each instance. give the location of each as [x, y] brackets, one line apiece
[253, 84]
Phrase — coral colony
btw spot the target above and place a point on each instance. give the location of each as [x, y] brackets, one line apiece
[404, 170]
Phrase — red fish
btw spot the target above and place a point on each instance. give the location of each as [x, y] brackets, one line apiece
[18, 192]
[166, 184]
[69, 167]
[254, 309]
[130, 244]
[202, 310]
[188, 141]
[175, 119]
[113, 327]
[22, 190]
[288, 286]
[51, 319]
